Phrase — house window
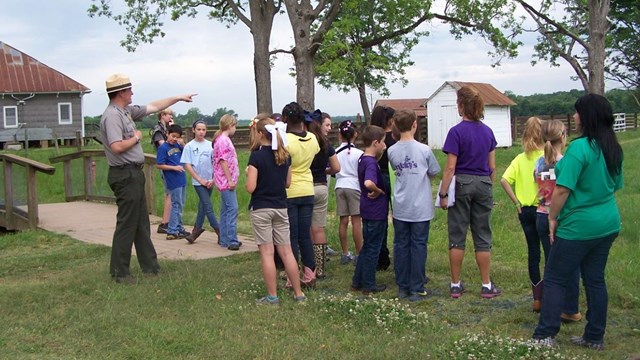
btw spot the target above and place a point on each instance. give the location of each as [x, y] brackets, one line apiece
[10, 116]
[64, 113]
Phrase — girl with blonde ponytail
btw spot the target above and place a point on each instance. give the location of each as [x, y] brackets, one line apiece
[525, 198]
[554, 137]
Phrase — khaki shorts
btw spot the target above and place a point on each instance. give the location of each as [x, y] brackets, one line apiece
[320, 205]
[270, 226]
[347, 202]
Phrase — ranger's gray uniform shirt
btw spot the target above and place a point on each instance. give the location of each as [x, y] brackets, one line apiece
[117, 124]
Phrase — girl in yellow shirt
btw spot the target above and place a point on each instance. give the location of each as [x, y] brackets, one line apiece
[519, 176]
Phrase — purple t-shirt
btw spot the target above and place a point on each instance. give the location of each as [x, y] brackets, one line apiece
[372, 209]
[471, 142]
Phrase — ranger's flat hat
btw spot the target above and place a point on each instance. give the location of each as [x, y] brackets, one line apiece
[117, 82]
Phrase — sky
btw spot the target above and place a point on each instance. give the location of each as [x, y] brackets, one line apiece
[205, 57]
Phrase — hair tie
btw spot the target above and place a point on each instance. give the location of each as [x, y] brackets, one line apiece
[195, 123]
[278, 127]
[313, 116]
[253, 122]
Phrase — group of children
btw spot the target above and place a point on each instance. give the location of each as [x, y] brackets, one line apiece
[210, 163]
[287, 178]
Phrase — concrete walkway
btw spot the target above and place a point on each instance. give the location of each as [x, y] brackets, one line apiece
[95, 222]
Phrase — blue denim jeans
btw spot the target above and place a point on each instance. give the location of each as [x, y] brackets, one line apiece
[572, 292]
[365, 275]
[205, 208]
[300, 210]
[566, 256]
[178, 196]
[228, 218]
[410, 254]
[528, 222]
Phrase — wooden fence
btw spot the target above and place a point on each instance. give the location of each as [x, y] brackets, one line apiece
[13, 215]
[517, 123]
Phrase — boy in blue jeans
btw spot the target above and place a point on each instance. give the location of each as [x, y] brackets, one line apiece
[168, 160]
[414, 165]
[374, 210]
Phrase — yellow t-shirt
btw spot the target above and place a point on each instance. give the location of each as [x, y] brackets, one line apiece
[519, 174]
[302, 150]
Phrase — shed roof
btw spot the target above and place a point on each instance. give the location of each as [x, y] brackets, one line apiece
[417, 105]
[20, 73]
[489, 94]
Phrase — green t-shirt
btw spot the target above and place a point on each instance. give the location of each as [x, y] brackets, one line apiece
[520, 174]
[590, 211]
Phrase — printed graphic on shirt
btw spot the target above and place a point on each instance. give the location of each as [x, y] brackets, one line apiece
[173, 151]
[407, 165]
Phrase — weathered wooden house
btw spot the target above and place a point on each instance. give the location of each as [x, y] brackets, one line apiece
[418, 106]
[443, 112]
[37, 103]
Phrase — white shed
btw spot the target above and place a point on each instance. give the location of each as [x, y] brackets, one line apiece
[442, 112]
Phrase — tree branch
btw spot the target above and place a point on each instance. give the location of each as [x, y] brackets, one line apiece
[282, 51]
[379, 40]
[561, 29]
[333, 13]
[236, 10]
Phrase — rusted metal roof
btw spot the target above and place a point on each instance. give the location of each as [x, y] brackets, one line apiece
[20, 73]
[489, 94]
[417, 105]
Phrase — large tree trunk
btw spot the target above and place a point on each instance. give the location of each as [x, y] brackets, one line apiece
[301, 17]
[362, 94]
[598, 28]
[262, 13]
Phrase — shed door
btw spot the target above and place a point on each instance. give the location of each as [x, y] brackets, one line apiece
[450, 118]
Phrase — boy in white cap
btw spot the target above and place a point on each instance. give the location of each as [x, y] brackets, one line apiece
[121, 140]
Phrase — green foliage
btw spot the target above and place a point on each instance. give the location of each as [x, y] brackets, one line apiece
[217, 115]
[561, 102]
[624, 48]
[345, 59]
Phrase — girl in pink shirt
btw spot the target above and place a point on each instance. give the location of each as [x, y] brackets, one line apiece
[225, 177]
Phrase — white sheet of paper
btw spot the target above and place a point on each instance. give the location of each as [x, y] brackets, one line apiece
[451, 199]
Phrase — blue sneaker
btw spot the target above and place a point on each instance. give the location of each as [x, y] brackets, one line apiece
[268, 300]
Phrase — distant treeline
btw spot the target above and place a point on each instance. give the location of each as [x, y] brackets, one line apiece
[561, 102]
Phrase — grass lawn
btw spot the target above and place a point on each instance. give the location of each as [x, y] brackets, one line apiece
[58, 302]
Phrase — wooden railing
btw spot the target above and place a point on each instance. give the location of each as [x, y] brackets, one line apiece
[89, 170]
[14, 217]
[517, 123]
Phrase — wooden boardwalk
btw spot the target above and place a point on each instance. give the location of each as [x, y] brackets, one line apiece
[95, 222]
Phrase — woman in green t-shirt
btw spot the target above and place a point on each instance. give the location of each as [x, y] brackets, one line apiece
[583, 221]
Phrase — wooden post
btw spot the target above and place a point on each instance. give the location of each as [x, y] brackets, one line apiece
[68, 185]
[149, 188]
[8, 195]
[568, 124]
[32, 197]
[55, 140]
[79, 143]
[26, 142]
[86, 162]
